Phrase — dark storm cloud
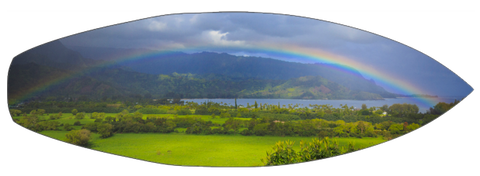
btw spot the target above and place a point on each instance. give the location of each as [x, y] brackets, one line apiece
[224, 32]
[195, 29]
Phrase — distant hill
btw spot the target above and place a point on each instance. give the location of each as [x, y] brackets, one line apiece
[313, 87]
[237, 66]
[200, 75]
[53, 54]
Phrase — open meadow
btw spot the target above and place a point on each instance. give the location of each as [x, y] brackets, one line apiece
[192, 150]
[198, 150]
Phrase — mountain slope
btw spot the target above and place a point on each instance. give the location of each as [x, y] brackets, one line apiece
[53, 54]
[235, 66]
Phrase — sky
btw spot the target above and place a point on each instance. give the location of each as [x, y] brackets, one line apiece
[241, 33]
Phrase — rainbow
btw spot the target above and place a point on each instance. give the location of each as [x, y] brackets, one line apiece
[291, 52]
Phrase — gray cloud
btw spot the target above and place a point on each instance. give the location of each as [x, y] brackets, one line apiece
[225, 32]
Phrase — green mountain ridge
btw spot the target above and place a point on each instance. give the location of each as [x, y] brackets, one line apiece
[40, 69]
[233, 66]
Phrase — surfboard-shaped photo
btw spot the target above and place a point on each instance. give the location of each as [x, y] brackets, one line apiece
[228, 89]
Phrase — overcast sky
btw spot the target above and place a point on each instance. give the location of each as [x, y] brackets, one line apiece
[233, 32]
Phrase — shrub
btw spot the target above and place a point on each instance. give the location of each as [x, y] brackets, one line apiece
[225, 115]
[77, 123]
[216, 131]
[40, 111]
[184, 112]
[260, 129]
[246, 132]
[395, 128]
[387, 135]
[105, 130]
[202, 110]
[282, 153]
[74, 111]
[67, 127]
[15, 112]
[319, 149]
[323, 134]
[94, 115]
[49, 125]
[80, 116]
[91, 127]
[78, 137]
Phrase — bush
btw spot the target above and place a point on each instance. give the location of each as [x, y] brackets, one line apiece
[246, 132]
[260, 129]
[78, 137]
[184, 112]
[77, 123]
[49, 125]
[79, 115]
[74, 111]
[395, 128]
[91, 127]
[202, 110]
[94, 115]
[323, 134]
[216, 131]
[387, 135]
[105, 130]
[15, 112]
[225, 115]
[67, 127]
[40, 111]
[282, 153]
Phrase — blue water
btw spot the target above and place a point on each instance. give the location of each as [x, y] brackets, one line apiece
[334, 103]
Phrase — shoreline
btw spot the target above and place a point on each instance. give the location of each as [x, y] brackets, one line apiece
[280, 99]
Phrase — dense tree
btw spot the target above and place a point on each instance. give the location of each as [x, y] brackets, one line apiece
[40, 111]
[361, 126]
[261, 129]
[15, 112]
[395, 128]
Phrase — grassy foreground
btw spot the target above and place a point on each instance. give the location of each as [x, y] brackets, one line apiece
[198, 150]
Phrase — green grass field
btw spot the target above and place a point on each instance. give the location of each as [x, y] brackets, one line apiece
[198, 150]
[193, 150]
